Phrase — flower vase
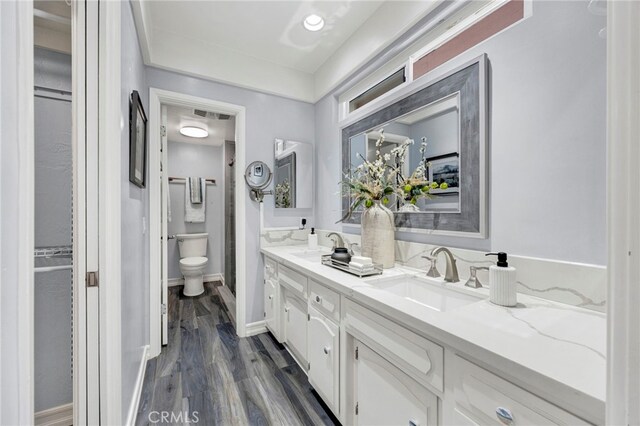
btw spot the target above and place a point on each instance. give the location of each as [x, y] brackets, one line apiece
[407, 207]
[378, 235]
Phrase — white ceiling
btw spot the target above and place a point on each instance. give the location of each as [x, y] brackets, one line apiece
[219, 129]
[262, 45]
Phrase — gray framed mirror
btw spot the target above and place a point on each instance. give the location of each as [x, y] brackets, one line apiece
[450, 111]
[293, 174]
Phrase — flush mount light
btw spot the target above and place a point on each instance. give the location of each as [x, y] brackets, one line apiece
[313, 22]
[193, 132]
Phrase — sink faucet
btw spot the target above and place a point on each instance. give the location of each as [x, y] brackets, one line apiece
[451, 275]
[338, 242]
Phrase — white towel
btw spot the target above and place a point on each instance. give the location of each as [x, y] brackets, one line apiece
[195, 189]
[194, 213]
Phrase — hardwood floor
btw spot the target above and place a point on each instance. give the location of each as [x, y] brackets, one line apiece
[207, 373]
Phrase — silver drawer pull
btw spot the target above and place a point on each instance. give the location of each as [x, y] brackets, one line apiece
[318, 299]
[327, 350]
[286, 310]
[270, 296]
[504, 415]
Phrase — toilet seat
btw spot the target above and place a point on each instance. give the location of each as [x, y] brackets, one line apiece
[193, 261]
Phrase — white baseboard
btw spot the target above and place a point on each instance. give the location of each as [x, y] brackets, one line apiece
[61, 415]
[137, 390]
[254, 328]
[172, 282]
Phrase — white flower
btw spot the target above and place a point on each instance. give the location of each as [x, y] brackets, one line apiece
[387, 157]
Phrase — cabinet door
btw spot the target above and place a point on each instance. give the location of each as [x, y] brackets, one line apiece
[295, 326]
[270, 306]
[323, 355]
[384, 395]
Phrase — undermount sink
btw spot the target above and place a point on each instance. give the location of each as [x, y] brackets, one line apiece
[432, 295]
[311, 255]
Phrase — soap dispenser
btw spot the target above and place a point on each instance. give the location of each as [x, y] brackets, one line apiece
[502, 282]
[313, 239]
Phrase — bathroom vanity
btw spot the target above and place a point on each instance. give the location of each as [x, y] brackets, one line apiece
[402, 348]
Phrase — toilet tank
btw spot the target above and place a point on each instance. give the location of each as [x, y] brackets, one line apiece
[192, 245]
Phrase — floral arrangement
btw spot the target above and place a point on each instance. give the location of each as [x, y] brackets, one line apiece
[283, 194]
[380, 179]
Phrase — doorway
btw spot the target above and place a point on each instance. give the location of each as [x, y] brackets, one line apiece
[167, 187]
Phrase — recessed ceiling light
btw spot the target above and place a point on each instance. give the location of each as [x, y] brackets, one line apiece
[313, 22]
[194, 132]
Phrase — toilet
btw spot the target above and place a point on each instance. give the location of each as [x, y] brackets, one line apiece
[193, 250]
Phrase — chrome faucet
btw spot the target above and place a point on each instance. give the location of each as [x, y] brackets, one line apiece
[338, 242]
[451, 274]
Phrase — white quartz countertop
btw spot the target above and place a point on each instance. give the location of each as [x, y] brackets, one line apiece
[554, 350]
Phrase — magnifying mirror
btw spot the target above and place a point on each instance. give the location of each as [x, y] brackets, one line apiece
[258, 176]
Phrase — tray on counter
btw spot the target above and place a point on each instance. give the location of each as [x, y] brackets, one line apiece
[336, 264]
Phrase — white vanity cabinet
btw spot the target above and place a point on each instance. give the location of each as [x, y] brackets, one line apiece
[293, 313]
[385, 395]
[323, 352]
[271, 297]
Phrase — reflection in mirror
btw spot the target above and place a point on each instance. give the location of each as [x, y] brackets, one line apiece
[439, 124]
[439, 184]
[258, 175]
[293, 174]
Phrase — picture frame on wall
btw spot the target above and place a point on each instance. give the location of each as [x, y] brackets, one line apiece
[445, 168]
[137, 141]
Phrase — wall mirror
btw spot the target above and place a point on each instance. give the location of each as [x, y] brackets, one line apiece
[449, 113]
[293, 174]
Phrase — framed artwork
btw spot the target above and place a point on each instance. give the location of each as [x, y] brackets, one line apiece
[137, 141]
[445, 169]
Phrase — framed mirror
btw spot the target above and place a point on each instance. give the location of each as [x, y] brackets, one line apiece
[449, 113]
[293, 175]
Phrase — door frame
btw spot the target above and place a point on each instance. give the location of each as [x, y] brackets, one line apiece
[157, 97]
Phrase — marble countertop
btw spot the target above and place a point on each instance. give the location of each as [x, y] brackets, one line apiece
[554, 350]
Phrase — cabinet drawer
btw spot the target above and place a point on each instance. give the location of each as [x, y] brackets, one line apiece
[488, 399]
[324, 300]
[270, 268]
[295, 281]
[418, 357]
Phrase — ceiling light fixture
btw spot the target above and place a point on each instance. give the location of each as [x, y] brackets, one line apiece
[193, 132]
[313, 22]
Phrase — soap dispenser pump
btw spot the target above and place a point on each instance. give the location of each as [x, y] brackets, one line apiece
[502, 282]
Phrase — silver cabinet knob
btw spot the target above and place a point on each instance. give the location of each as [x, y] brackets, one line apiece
[270, 296]
[286, 310]
[318, 299]
[327, 350]
[504, 415]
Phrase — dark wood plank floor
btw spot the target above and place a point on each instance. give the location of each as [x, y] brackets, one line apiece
[207, 369]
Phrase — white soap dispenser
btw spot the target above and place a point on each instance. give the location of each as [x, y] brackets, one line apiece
[502, 282]
[313, 239]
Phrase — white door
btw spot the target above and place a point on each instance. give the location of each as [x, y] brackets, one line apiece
[322, 353]
[164, 189]
[384, 395]
[295, 326]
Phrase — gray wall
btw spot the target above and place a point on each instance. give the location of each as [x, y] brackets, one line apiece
[53, 211]
[547, 140]
[267, 117]
[187, 159]
[135, 211]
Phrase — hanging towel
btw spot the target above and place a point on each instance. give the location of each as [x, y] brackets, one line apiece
[194, 213]
[195, 189]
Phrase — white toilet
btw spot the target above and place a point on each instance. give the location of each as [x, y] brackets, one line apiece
[193, 250]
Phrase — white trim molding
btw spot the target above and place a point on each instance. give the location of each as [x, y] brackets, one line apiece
[257, 327]
[158, 97]
[61, 415]
[137, 390]
[623, 215]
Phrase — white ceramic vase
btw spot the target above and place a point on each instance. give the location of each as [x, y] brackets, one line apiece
[378, 235]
